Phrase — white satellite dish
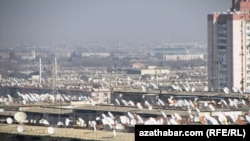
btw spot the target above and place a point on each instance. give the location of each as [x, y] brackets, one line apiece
[9, 120]
[107, 127]
[205, 89]
[211, 107]
[51, 130]
[133, 122]
[104, 121]
[20, 129]
[164, 114]
[139, 105]
[226, 90]
[222, 118]
[123, 119]
[192, 89]
[248, 118]
[140, 120]
[119, 127]
[161, 102]
[130, 115]
[20, 117]
[235, 90]
[24, 102]
[124, 102]
[60, 123]
[67, 121]
[117, 102]
[111, 115]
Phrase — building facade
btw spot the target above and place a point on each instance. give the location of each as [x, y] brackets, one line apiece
[229, 47]
[184, 57]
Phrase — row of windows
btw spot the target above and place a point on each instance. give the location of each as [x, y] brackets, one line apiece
[222, 40]
[223, 72]
[248, 84]
[221, 34]
[248, 66]
[222, 53]
[222, 47]
[223, 84]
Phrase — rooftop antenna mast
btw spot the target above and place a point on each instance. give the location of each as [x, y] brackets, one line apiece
[54, 77]
[40, 71]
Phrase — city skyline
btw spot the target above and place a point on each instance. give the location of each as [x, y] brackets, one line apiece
[110, 20]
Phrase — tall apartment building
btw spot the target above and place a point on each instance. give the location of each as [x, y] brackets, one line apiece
[229, 47]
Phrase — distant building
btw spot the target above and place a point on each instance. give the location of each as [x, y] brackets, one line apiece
[95, 54]
[138, 65]
[35, 77]
[150, 70]
[63, 54]
[163, 51]
[175, 53]
[4, 55]
[184, 57]
[229, 47]
[29, 55]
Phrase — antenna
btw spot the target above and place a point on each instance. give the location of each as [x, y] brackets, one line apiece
[54, 77]
[40, 71]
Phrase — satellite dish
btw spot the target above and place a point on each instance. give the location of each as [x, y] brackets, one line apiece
[117, 102]
[111, 115]
[51, 130]
[67, 121]
[60, 123]
[20, 117]
[124, 102]
[226, 90]
[20, 129]
[192, 89]
[133, 122]
[24, 102]
[163, 114]
[248, 118]
[123, 119]
[222, 118]
[119, 127]
[205, 89]
[9, 120]
[139, 105]
[140, 120]
[211, 107]
[120, 95]
[235, 90]
[107, 127]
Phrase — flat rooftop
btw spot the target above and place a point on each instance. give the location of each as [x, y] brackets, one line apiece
[70, 133]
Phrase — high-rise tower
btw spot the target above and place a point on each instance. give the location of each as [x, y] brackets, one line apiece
[229, 47]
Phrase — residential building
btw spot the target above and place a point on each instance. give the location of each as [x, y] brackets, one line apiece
[229, 47]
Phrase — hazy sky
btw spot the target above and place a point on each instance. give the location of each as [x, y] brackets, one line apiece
[108, 20]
